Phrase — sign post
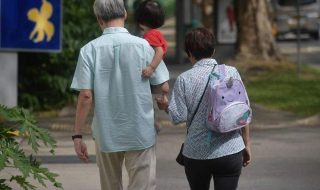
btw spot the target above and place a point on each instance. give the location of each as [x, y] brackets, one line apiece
[8, 78]
[28, 25]
[298, 37]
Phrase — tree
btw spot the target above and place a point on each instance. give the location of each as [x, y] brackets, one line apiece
[16, 121]
[255, 38]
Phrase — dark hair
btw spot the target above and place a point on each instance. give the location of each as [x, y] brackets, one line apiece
[150, 14]
[200, 43]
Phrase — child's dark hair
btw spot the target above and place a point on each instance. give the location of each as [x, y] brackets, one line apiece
[149, 13]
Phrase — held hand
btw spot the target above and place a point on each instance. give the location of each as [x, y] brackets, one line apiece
[246, 156]
[81, 149]
[147, 72]
[162, 102]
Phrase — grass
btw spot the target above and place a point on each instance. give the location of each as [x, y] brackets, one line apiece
[276, 85]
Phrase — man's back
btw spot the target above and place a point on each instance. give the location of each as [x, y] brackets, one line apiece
[111, 66]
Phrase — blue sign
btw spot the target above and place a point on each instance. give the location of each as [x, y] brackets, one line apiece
[30, 25]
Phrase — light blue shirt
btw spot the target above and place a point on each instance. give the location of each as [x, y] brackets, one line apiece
[111, 65]
[201, 143]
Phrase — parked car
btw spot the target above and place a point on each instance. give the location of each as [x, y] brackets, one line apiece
[286, 18]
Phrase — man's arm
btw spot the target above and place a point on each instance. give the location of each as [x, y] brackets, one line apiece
[164, 88]
[247, 143]
[83, 109]
[161, 88]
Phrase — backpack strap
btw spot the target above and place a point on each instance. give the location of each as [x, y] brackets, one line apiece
[222, 71]
[200, 98]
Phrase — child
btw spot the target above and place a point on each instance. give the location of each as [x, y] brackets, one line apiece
[150, 16]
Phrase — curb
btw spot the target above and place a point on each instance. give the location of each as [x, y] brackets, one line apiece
[313, 121]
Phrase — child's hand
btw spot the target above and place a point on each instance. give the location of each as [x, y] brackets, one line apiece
[147, 72]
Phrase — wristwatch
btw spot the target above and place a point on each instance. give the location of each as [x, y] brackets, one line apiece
[76, 137]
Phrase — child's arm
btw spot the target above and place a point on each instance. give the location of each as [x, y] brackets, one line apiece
[158, 55]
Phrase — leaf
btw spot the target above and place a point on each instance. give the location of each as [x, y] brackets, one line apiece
[11, 153]
[20, 161]
[58, 185]
[3, 159]
[4, 186]
[52, 151]
[22, 182]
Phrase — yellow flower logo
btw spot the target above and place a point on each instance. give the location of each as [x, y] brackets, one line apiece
[43, 25]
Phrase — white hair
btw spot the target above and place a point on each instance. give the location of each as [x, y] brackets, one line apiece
[109, 9]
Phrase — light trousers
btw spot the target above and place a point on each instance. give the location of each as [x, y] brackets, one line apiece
[140, 166]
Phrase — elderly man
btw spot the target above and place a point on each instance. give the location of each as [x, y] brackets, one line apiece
[108, 75]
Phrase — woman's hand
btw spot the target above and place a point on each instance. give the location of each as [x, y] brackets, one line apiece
[246, 156]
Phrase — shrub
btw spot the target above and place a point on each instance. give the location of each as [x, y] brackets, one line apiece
[17, 121]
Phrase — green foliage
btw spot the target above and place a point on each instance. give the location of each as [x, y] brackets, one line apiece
[276, 85]
[12, 156]
[169, 7]
[44, 79]
[286, 91]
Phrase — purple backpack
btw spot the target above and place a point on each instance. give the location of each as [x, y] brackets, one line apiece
[229, 107]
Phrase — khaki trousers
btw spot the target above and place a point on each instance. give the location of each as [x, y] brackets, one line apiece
[140, 166]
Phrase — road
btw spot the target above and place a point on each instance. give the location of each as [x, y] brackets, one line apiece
[283, 159]
[310, 51]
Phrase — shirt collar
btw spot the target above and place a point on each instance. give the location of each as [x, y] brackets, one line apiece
[112, 30]
[205, 62]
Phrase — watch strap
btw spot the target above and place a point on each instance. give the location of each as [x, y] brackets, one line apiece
[76, 137]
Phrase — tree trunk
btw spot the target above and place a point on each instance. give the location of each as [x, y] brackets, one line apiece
[255, 38]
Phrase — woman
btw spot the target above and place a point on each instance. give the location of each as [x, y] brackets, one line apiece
[206, 154]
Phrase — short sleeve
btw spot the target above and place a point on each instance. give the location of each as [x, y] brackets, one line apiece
[83, 76]
[154, 39]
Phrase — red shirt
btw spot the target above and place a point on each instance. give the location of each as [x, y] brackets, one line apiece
[156, 39]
